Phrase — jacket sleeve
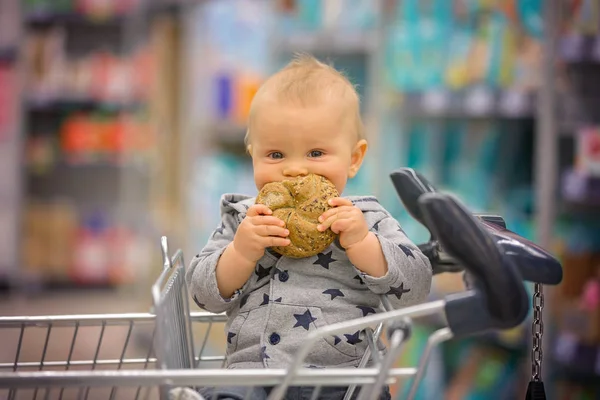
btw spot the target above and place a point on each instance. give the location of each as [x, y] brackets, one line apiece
[408, 280]
[201, 277]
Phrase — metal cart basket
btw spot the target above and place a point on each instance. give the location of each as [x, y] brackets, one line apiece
[495, 299]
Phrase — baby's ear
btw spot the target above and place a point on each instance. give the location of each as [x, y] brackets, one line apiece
[358, 155]
[249, 149]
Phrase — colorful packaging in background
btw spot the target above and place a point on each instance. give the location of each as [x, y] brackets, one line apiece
[587, 156]
[483, 46]
[65, 245]
[99, 76]
[92, 138]
[94, 9]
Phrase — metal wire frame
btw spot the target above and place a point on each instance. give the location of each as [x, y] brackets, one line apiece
[280, 378]
[171, 320]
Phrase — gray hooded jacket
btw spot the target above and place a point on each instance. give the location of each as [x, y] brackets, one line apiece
[286, 298]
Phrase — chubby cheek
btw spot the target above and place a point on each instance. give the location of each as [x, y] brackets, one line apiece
[264, 175]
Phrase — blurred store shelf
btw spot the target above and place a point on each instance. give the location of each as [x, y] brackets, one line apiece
[580, 48]
[581, 189]
[54, 105]
[328, 42]
[8, 54]
[477, 102]
[42, 19]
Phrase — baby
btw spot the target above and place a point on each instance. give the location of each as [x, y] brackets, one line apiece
[304, 119]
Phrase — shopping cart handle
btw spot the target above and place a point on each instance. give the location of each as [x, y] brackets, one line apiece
[410, 185]
[497, 281]
[533, 263]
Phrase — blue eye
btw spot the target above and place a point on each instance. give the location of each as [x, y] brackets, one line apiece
[276, 155]
[315, 153]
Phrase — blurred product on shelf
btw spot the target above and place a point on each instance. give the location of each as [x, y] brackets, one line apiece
[8, 91]
[92, 138]
[464, 45]
[309, 16]
[92, 8]
[587, 157]
[101, 76]
[63, 246]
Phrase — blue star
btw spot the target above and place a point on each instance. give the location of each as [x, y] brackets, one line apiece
[408, 252]
[265, 299]
[230, 335]
[334, 293]
[277, 300]
[353, 339]
[398, 291]
[263, 353]
[198, 303]
[220, 229]
[304, 320]
[336, 340]
[376, 226]
[324, 260]
[244, 300]
[359, 279]
[366, 310]
[262, 272]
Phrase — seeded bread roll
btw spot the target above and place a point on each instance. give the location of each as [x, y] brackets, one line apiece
[299, 203]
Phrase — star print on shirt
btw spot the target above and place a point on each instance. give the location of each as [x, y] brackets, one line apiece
[376, 226]
[244, 300]
[366, 310]
[336, 340]
[263, 353]
[230, 335]
[220, 229]
[398, 291]
[277, 300]
[262, 272]
[334, 293]
[265, 299]
[359, 279]
[198, 303]
[408, 252]
[324, 260]
[304, 320]
[353, 339]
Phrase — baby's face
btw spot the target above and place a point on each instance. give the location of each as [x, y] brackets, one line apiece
[288, 141]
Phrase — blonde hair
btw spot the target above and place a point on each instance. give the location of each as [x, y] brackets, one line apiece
[305, 80]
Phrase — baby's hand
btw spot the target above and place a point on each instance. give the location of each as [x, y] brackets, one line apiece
[346, 220]
[258, 231]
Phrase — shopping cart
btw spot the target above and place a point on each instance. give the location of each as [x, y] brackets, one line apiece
[496, 299]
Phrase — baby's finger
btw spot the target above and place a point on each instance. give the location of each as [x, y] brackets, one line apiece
[339, 201]
[332, 211]
[271, 230]
[258, 209]
[266, 220]
[274, 241]
[341, 225]
[342, 215]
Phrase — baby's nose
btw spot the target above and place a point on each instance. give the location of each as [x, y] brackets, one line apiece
[294, 171]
